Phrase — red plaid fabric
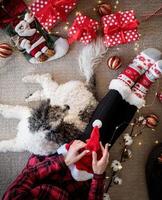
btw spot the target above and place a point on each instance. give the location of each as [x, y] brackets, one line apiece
[49, 178]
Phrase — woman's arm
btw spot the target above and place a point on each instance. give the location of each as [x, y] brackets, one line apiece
[99, 167]
[21, 188]
[97, 187]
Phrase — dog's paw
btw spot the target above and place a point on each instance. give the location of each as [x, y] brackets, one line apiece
[3, 146]
[47, 75]
[37, 78]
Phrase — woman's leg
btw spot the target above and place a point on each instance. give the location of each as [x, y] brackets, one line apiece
[115, 114]
[118, 107]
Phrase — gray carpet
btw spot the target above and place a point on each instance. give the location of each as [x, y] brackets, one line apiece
[13, 91]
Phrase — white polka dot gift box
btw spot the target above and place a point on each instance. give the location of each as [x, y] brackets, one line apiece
[50, 12]
[83, 29]
[120, 28]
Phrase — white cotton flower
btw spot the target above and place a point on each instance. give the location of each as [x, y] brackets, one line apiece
[128, 139]
[106, 196]
[141, 118]
[144, 122]
[116, 165]
[117, 180]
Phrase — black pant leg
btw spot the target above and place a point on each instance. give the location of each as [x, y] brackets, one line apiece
[114, 112]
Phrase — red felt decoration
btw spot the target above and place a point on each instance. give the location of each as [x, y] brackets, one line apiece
[85, 163]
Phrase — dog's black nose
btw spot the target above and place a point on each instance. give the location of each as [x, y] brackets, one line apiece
[67, 107]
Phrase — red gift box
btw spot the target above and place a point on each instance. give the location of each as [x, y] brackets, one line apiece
[83, 29]
[50, 12]
[120, 28]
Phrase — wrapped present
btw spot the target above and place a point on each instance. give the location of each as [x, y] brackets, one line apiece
[83, 29]
[120, 28]
[50, 12]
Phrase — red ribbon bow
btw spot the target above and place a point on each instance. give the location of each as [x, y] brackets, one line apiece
[121, 27]
[86, 26]
[52, 8]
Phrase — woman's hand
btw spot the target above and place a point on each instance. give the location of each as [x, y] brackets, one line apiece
[73, 155]
[99, 166]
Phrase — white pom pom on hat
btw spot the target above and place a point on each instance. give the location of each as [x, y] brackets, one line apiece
[97, 123]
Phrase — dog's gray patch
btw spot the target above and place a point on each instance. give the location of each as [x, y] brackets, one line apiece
[43, 119]
[64, 133]
[44, 116]
[39, 118]
[91, 86]
[86, 114]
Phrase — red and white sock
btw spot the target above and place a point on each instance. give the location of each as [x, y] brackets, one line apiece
[139, 66]
[141, 88]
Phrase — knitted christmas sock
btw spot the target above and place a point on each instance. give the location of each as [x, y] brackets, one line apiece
[146, 80]
[140, 64]
[130, 75]
[28, 35]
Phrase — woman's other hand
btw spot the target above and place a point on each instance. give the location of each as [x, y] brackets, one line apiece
[73, 154]
[99, 166]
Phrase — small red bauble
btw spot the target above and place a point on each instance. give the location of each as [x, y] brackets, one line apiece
[152, 120]
[114, 62]
[104, 9]
[159, 96]
[5, 50]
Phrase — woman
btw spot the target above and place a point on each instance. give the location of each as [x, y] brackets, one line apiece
[50, 177]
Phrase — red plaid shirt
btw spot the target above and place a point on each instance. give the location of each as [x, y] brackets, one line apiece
[48, 178]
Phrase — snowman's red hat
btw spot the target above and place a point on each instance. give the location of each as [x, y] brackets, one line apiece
[82, 170]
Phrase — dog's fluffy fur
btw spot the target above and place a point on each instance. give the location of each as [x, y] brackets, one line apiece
[63, 113]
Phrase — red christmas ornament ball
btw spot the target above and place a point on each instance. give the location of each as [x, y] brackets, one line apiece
[152, 120]
[5, 50]
[104, 9]
[159, 96]
[114, 62]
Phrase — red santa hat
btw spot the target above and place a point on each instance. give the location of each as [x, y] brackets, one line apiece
[82, 170]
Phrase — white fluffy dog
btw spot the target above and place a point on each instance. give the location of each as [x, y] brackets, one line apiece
[63, 113]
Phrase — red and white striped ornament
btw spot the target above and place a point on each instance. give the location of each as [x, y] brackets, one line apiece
[5, 50]
[104, 9]
[152, 120]
[114, 62]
